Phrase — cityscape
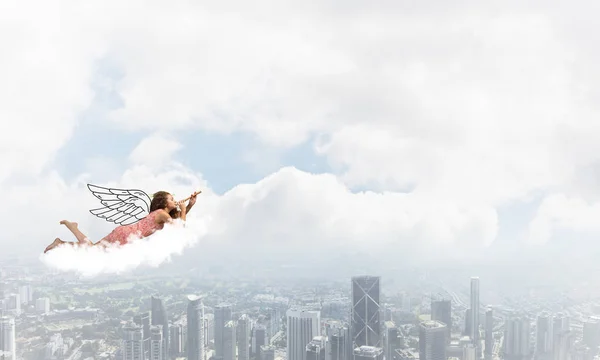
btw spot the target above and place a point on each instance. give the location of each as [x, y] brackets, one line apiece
[58, 316]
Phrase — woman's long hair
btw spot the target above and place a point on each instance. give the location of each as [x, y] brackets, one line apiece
[159, 201]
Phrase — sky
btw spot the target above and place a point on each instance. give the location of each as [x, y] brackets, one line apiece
[412, 131]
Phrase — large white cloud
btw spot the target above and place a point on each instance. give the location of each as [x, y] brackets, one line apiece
[454, 110]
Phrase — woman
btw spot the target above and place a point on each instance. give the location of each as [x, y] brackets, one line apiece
[163, 209]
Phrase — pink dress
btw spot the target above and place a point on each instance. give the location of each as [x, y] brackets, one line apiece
[145, 227]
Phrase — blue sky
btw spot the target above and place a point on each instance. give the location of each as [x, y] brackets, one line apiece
[219, 157]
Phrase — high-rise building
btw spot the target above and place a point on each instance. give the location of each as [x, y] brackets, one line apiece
[475, 311]
[390, 339]
[133, 342]
[229, 341]
[267, 352]
[543, 339]
[365, 312]
[209, 329]
[302, 327]
[195, 329]
[591, 332]
[338, 347]
[368, 353]
[432, 340]
[316, 348]
[222, 317]
[7, 338]
[156, 343]
[176, 339]
[516, 337]
[259, 338]
[489, 333]
[469, 352]
[42, 305]
[441, 310]
[159, 317]
[143, 320]
[243, 337]
[26, 294]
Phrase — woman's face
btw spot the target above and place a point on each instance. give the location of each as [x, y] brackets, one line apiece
[171, 203]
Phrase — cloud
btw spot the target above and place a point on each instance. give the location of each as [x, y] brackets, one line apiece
[559, 212]
[155, 150]
[152, 251]
[447, 112]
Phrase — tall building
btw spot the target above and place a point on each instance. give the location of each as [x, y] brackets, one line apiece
[133, 342]
[516, 337]
[7, 338]
[316, 348]
[432, 340]
[338, 347]
[195, 329]
[365, 312]
[159, 317]
[143, 321]
[469, 352]
[475, 311]
[302, 327]
[368, 353]
[209, 329]
[591, 332]
[176, 340]
[267, 352]
[390, 339]
[467, 331]
[543, 338]
[222, 317]
[441, 310]
[26, 294]
[229, 341]
[489, 333]
[243, 338]
[42, 305]
[259, 338]
[157, 352]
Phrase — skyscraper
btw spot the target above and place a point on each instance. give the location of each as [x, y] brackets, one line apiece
[7, 338]
[156, 343]
[133, 342]
[475, 312]
[143, 321]
[159, 317]
[365, 317]
[432, 340]
[302, 327]
[543, 339]
[195, 328]
[243, 338]
[516, 337]
[489, 333]
[222, 317]
[441, 310]
[229, 340]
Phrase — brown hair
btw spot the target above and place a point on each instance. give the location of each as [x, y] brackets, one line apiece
[159, 201]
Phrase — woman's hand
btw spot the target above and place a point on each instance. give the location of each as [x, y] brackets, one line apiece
[193, 199]
[182, 207]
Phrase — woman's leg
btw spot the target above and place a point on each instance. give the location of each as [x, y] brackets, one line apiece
[81, 238]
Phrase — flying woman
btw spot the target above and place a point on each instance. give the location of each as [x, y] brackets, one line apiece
[163, 209]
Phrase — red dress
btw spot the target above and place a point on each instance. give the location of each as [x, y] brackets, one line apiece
[145, 227]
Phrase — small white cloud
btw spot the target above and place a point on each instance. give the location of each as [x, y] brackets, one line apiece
[156, 151]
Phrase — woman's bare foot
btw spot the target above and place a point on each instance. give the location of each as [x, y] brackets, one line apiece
[68, 223]
[54, 244]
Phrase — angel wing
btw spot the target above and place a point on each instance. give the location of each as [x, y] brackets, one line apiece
[121, 206]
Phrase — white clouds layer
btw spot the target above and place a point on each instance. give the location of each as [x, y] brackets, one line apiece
[448, 110]
[153, 251]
